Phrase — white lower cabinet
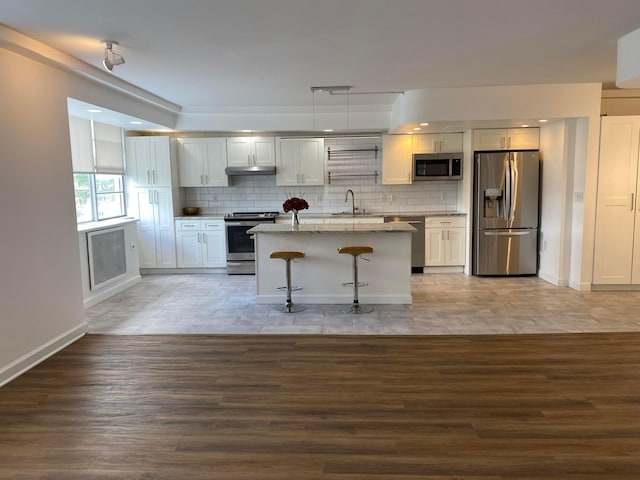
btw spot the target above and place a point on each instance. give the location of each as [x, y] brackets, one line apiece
[156, 236]
[200, 243]
[445, 241]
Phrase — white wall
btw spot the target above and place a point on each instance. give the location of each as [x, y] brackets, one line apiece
[579, 278]
[41, 297]
[41, 307]
[556, 181]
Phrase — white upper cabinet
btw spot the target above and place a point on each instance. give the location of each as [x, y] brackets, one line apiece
[437, 143]
[149, 161]
[251, 151]
[201, 162]
[396, 159]
[300, 161]
[506, 139]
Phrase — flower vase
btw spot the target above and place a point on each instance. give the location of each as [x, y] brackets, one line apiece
[295, 222]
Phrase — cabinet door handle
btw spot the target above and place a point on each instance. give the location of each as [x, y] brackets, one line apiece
[434, 145]
[204, 238]
[632, 204]
[502, 142]
[150, 197]
[508, 142]
[206, 179]
[155, 177]
[157, 197]
[448, 235]
[440, 150]
[149, 177]
[254, 160]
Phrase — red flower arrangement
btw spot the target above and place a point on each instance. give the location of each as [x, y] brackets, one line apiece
[295, 204]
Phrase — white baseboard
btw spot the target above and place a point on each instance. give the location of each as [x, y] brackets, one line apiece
[102, 295]
[33, 358]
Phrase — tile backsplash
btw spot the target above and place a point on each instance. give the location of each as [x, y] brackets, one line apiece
[349, 170]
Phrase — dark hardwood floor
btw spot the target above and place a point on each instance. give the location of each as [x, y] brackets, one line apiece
[481, 407]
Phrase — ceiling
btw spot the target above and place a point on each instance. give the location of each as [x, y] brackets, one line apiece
[211, 54]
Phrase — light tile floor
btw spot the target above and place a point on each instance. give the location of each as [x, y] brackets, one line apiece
[443, 304]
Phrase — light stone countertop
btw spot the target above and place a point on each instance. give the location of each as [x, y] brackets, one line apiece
[332, 228]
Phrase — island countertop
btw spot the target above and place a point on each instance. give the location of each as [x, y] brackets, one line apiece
[332, 228]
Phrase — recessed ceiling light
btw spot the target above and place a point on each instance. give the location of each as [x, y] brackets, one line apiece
[524, 126]
[543, 120]
[410, 133]
[135, 122]
[417, 128]
[424, 124]
[246, 131]
[93, 110]
[328, 130]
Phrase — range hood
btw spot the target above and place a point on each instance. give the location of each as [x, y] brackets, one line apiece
[255, 170]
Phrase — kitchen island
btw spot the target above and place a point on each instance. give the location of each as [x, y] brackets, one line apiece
[322, 271]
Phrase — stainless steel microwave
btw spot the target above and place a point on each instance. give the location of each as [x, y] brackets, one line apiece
[437, 166]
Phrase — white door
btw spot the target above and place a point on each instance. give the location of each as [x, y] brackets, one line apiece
[190, 162]
[214, 249]
[489, 139]
[455, 247]
[138, 162]
[160, 153]
[523, 138]
[215, 161]
[286, 170]
[189, 249]
[425, 143]
[434, 247]
[396, 159]
[450, 142]
[165, 230]
[616, 200]
[264, 151]
[310, 163]
[145, 206]
[239, 152]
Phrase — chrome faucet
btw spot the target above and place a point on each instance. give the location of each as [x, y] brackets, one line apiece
[353, 201]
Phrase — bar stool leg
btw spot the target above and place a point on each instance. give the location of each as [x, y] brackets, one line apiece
[289, 306]
[355, 306]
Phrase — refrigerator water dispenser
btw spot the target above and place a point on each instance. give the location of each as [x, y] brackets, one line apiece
[492, 203]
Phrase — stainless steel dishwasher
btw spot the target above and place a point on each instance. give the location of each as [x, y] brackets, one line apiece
[417, 239]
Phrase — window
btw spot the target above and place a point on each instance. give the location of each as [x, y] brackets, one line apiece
[98, 196]
[98, 166]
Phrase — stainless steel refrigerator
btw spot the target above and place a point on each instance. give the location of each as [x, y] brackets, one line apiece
[505, 237]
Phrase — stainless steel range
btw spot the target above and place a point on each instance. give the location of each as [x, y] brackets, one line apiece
[241, 253]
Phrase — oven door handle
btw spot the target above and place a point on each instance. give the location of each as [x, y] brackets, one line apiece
[241, 224]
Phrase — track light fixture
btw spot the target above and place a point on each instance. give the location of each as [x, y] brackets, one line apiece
[111, 58]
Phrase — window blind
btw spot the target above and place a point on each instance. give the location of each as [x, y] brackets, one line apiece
[108, 148]
[81, 145]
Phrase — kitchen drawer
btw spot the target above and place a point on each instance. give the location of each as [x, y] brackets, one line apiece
[445, 222]
[212, 225]
[188, 225]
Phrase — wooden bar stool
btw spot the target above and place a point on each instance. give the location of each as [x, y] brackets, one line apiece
[289, 307]
[355, 252]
